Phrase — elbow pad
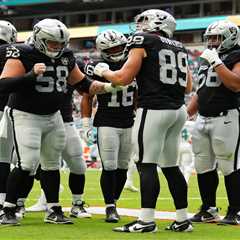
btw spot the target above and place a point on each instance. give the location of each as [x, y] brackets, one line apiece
[83, 85]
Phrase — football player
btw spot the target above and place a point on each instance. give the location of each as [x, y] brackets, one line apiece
[72, 155]
[37, 75]
[215, 136]
[8, 35]
[114, 121]
[161, 70]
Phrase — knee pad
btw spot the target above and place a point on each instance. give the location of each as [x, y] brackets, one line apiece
[226, 167]
[123, 163]
[109, 165]
[59, 139]
[76, 165]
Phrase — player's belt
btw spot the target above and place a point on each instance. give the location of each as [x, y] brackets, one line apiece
[213, 114]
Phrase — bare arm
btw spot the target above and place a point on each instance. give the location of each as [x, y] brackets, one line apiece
[189, 82]
[129, 70]
[13, 68]
[86, 105]
[230, 78]
[192, 107]
[91, 87]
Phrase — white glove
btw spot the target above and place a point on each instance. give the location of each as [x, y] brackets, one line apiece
[110, 88]
[100, 68]
[87, 130]
[211, 56]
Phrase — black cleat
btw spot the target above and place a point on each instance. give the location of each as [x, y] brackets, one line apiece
[55, 215]
[9, 217]
[112, 215]
[79, 211]
[232, 217]
[206, 215]
[137, 227]
[184, 226]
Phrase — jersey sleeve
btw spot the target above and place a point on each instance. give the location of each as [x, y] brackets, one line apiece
[138, 40]
[232, 59]
[21, 52]
[89, 70]
[71, 59]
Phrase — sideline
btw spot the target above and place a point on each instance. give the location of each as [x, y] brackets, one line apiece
[132, 212]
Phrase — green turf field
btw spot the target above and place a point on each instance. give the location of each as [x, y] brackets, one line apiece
[32, 227]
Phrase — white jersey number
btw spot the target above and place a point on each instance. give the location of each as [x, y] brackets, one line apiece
[169, 62]
[211, 80]
[127, 97]
[46, 84]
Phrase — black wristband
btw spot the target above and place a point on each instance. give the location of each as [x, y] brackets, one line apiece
[83, 85]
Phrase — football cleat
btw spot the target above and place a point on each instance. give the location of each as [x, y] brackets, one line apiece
[232, 217]
[131, 188]
[206, 215]
[112, 215]
[78, 211]
[184, 226]
[9, 217]
[138, 227]
[55, 215]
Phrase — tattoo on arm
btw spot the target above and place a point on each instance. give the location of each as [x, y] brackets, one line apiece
[97, 88]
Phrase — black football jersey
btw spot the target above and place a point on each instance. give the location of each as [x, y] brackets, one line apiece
[3, 97]
[114, 109]
[162, 78]
[50, 89]
[213, 96]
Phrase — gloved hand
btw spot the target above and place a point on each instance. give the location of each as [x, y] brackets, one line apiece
[111, 88]
[100, 68]
[87, 129]
[211, 56]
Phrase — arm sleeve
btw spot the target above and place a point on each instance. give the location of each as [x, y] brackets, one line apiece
[15, 84]
[84, 85]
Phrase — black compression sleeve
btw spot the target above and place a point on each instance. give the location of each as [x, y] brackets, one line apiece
[83, 85]
[14, 84]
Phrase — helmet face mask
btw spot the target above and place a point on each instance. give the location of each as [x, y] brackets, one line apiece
[50, 31]
[222, 35]
[8, 32]
[111, 45]
[155, 20]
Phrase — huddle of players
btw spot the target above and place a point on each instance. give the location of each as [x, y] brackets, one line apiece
[158, 65]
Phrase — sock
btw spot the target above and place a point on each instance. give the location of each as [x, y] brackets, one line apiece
[50, 205]
[76, 183]
[147, 215]
[149, 185]
[16, 179]
[181, 215]
[50, 181]
[177, 186]
[26, 187]
[232, 184]
[208, 183]
[107, 182]
[77, 199]
[2, 198]
[4, 172]
[121, 176]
